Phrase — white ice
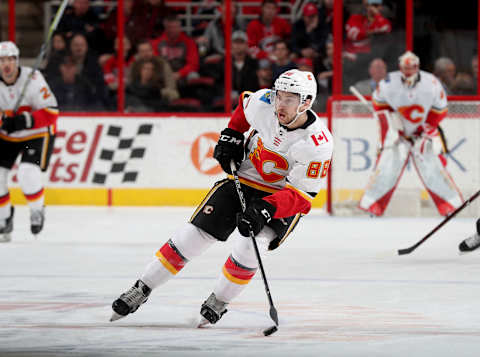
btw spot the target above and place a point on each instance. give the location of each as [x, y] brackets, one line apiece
[338, 285]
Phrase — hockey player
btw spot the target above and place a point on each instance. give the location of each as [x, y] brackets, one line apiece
[471, 243]
[288, 153]
[409, 104]
[28, 132]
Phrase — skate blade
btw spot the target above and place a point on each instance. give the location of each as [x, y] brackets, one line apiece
[5, 238]
[116, 317]
[202, 322]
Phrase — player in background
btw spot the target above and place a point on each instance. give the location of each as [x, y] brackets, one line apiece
[28, 132]
[472, 242]
[288, 154]
[410, 104]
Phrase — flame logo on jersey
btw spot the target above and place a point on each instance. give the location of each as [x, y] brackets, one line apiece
[408, 113]
[262, 156]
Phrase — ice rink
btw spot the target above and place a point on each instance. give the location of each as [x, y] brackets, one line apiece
[338, 285]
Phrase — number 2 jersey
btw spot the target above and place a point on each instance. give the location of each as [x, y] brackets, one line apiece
[38, 100]
[291, 164]
[425, 102]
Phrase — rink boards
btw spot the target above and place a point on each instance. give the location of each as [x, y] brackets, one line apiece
[168, 160]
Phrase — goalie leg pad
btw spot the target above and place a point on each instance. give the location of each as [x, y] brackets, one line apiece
[437, 181]
[384, 180]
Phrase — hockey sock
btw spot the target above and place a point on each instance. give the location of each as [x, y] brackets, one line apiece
[30, 180]
[233, 279]
[4, 195]
[186, 244]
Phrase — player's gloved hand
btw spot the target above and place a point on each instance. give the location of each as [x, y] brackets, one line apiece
[17, 122]
[229, 147]
[423, 137]
[257, 214]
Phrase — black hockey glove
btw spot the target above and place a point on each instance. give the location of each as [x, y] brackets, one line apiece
[257, 214]
[17, 122]
[229, 147]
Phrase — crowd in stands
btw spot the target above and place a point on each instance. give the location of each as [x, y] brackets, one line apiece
[168, 69]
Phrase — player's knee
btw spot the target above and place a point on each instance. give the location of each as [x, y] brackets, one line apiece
[28, 172]
[191, 240]
[244, 251]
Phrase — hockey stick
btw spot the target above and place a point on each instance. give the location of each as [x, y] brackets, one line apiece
[273, 310]
[449, 217]
[43, 51]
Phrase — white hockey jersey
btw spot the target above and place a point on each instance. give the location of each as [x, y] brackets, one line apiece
[38, 96]
[280, 158]
[425, 102]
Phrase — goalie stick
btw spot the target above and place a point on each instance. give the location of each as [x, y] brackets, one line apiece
[449, 217]
[43, 51]
[273, 310]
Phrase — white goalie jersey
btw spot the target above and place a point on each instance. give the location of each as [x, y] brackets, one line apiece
[278, 157]
[424, 102]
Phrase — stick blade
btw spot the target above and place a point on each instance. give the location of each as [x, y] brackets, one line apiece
[405, 251]
[271, 330]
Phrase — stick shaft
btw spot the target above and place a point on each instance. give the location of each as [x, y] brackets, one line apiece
[440, 225]
[43, 51]
[238, 187]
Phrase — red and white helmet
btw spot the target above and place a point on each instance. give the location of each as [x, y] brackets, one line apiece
[9, 49]
[409, 65]
[299, 82]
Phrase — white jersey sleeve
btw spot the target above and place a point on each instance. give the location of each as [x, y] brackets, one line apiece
[38, 94]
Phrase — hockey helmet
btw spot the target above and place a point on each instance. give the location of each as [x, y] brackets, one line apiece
[409, 65]
[300, 82]
[9, 49]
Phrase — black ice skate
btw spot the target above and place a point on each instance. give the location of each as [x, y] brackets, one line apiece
[37, 218]
[471, 243]
[6, 227]
[212, 310]
[130, 300]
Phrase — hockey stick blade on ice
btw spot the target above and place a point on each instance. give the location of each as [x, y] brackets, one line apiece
[449, 217]
[273, 310]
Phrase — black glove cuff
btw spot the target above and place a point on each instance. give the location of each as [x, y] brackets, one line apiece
[266, 209]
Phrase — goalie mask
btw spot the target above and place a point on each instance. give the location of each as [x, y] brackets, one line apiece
[409, 65]
[299, 82]
[9, 49]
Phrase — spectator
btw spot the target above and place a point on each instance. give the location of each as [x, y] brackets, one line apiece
[244, 67]
[57, 52]
[151, 86]
[282, 63]
[360, 28]
[264, 74]
[179, 50]
[324, 78]
[444, 69]
[463, 84]
[212, 41]
[80, 18]
[144, 50]
[264, 32]
[74, 92]
[309, 34]
[110, 68]
[377, 71]
[148, 15]
[87, 67]
[475, 72]
[132, 25]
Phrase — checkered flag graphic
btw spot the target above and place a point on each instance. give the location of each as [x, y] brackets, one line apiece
[120, 154]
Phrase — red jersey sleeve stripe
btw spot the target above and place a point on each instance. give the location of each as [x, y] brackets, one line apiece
[238, 120]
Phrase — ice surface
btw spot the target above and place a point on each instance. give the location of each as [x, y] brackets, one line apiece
[338, 285]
